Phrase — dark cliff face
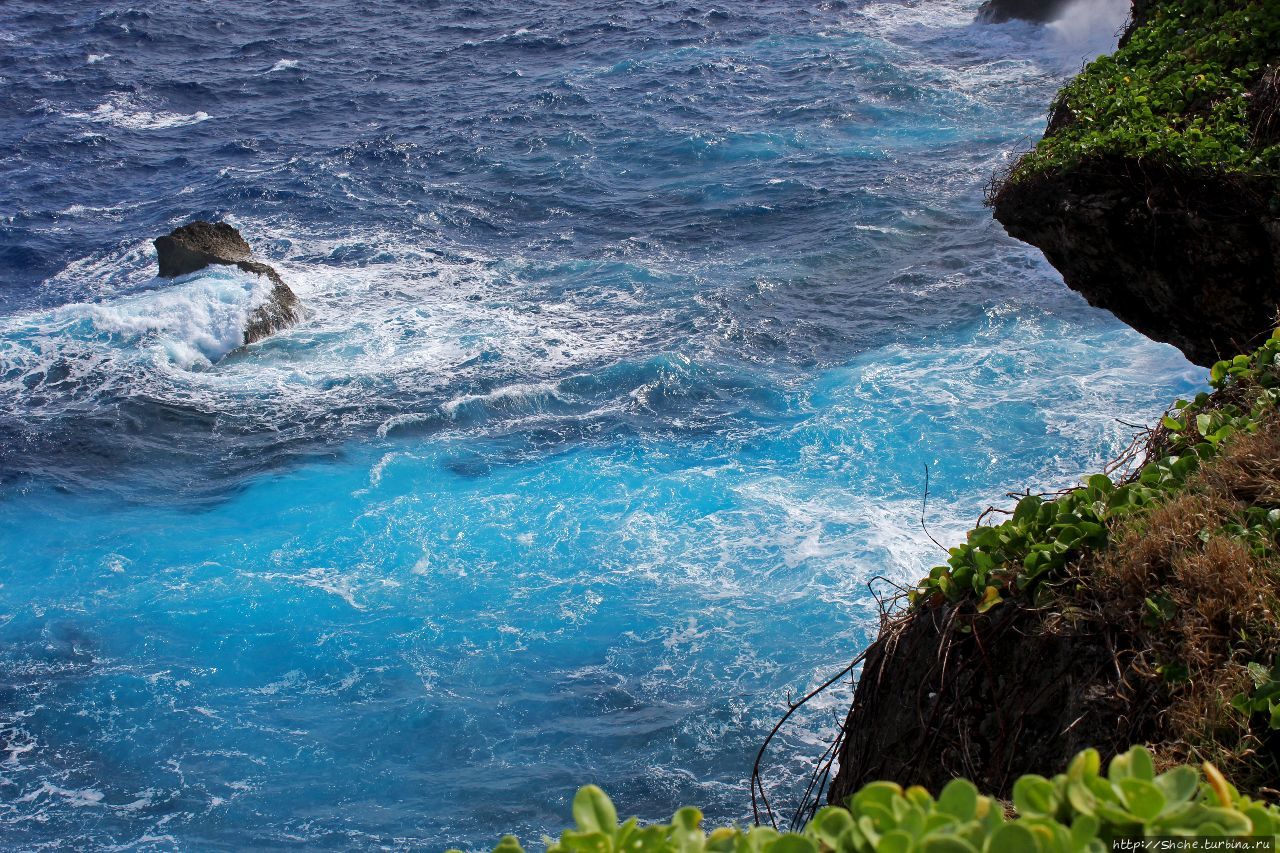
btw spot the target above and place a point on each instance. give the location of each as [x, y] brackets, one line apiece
[1191, 260]
[988, 700]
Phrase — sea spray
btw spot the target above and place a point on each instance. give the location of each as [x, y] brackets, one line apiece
[1089, 28]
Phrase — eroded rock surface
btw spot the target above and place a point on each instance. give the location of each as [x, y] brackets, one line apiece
[199, 244]
[1007, 697]
[1193, 261]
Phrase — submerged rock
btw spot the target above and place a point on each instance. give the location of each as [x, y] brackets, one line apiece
[1038, 11]
[199, 244]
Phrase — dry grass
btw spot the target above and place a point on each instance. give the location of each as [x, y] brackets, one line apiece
[1264, 108]
[1218, 600]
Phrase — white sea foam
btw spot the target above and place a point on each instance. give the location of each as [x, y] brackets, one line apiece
[96, 57]
[196, 322]
[184, 325]
[408, 323]
[1090, 28]
[283, 65]
[73, 798]
[121, 110]
[520, 392]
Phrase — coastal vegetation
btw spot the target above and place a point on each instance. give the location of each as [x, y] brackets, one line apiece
[1180, 556]
[1142, 606]
[1043, 535]
[1194, 87]
[1155, 190]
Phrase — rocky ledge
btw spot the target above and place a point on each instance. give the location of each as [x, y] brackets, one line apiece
[1156, 188]
[1189, 259]
[197, 245]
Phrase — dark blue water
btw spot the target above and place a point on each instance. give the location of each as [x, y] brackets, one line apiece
[630, 330]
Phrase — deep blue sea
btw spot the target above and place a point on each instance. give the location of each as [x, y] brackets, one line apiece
[630, 330]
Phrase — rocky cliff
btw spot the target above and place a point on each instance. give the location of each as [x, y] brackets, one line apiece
[1155, 190]
[1148, 608]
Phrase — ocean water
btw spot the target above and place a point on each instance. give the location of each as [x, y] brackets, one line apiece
[631, 329]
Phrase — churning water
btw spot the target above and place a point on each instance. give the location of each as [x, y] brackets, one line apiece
[631, 328]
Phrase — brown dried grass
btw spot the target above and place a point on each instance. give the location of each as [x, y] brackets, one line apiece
[1222, 604]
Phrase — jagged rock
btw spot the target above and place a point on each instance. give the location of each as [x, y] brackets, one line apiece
[1190, 260]
[199, 244]
[1038, 11]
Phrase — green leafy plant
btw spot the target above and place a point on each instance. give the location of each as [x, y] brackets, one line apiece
[1079, 811]
[1265, 696]
[1176, 93]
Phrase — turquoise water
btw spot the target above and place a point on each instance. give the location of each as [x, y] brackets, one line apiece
[630, 335]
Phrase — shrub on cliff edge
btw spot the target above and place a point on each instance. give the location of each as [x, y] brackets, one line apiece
[1191, 87]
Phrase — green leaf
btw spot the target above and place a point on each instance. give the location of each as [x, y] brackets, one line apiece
[1230, 821]
[830, 823]
[895, 841]
[593, 811]
[797, 844]
[1259, 673]
[959, 799]
[1012, 838]
[1116, 816]
[1178, 785]
[1143, 767]
[1087, 763]
[1264, 823]
[584, 842]
[945, 844]
[1081, 798]
[1083, 830]
[1143, 799]
[757, 840]
[990, 599]
[875, 793]
[508, 844]
[1033, 796]
[1027, 508]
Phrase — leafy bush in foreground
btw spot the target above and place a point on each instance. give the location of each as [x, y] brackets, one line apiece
[1080, 811]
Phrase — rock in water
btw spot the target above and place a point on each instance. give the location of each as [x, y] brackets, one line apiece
[199, 244]
[1039, 11]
